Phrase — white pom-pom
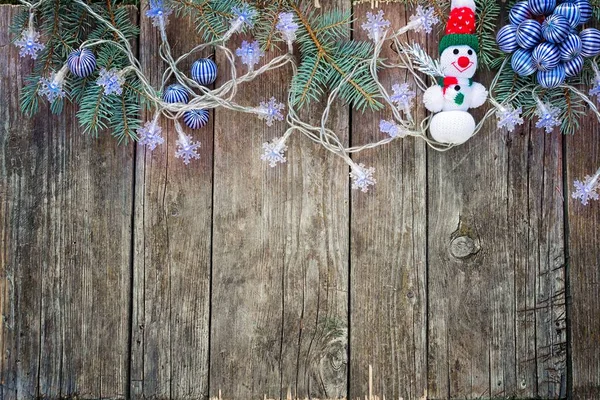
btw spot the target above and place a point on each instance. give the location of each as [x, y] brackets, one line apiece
[452, 127]
[463, 3]
[479, 95]
[433, 98]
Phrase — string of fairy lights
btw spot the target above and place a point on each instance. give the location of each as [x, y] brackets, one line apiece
[189, 100]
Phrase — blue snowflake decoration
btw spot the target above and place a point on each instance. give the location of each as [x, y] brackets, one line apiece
[362, 177]
[549, 117]
[186, 148]
[111, 81]
[250, 53]
[375, 25]
[270, 111]
[273, 152]
[595, 89]
[29, 43]
[403, 96]
[424, 19]
[52, 88]
[242, 16]
[287, 26]
[509, 117]
[586, 190]
[150, 135]
[391, 128]
[159, 11]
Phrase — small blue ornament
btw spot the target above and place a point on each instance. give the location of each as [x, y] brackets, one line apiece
[519, 13]
[555, 28]
[541, 7]
[529, 33]
[590, 42]
[570, 11]
[195, 119]
[570, 47]
[81, 62]
[545, 56]
[204, 71]
[522, 63]
[175, 94]
[553, 78]
[585, 10]
[507, 38]
[574, 66]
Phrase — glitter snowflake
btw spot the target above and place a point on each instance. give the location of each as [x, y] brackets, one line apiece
[274, 152]
[52, 88]
[509, 117]
[549, 117]
[287, 26]
[186, 148]
[111, 81]
[403, 96]
[586, 190]
[362, 177]
[270, 111]
[595, 89]
[242, 15]
[424, 19]
[159, 12]
[149, 135]
[29, 43]
[391, 128]
[375, 25]
[250, 53]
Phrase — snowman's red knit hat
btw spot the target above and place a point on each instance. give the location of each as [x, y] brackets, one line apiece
[461, 27]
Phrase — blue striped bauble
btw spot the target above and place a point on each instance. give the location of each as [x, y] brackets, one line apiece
[522, 63]
[541, 7]
[519, 13]
[553, 78]
[204, 71]
[570, 47]
[81, 62]
[590, 42]
[195, 119]
[555, 28]
[175, 94]
[570, 11]
[507, 38]
[585, 10]
[545, 56]
[529, 33]
[574, 66]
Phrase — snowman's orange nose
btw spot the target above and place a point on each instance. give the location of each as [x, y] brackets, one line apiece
[463, 62]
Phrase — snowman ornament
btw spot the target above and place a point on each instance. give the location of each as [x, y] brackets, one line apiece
[456, 92]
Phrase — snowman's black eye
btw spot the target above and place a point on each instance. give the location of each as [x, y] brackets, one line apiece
[457, 88]
[455, 51]
[470, 52]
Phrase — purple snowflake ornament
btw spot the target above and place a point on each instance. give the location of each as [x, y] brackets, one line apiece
[270, 111]
[250, 53]
[375, 25]
[29, 43]
[588, 189]
[159, 11]
[403, 96]
[111, 81]
[424, 19]
[242, 16]
[273, 152]
[287, 26]
[150, 135]
[549, 117]
[52, 88]
[509, 117]
[392, 129]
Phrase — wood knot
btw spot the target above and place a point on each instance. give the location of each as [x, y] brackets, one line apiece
[463, 247]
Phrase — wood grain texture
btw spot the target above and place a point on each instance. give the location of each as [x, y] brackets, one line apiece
[493, 312]
[66, 230]
[583, 158]
[173, 213]
[388, 253]
[279, 317]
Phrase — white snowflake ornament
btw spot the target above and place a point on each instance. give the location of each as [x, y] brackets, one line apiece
[29, 43]
[392, 129]
[588, 189]
[274, 152]
[111, 81]
[270, 111]
[403, 96]
[150, 135]
[509, 117]
[362, 177]
[250, 53]
[52, 88]
[549, 117]
[376, 25]
[424, 19]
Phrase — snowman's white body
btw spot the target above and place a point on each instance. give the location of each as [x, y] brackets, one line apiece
[453, 124]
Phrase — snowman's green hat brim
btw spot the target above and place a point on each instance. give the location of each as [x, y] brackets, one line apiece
[459, 39]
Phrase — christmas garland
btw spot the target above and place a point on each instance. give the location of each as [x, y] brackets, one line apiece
[83, 54]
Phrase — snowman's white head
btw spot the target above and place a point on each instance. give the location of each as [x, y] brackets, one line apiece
[459, 61]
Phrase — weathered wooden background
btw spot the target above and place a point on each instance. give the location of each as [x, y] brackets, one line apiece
[124, 273]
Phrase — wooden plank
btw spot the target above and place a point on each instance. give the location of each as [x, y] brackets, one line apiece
[494, 310]
[172, 246]
[583, 158]
[280, 263]
[388, 248]
[66, 226]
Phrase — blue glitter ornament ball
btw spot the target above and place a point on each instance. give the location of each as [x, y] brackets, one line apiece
[204, 71]
[176, 94]
[545, 56]
[553, 78]
[81, 62]
[195, 119]
[522, 63]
